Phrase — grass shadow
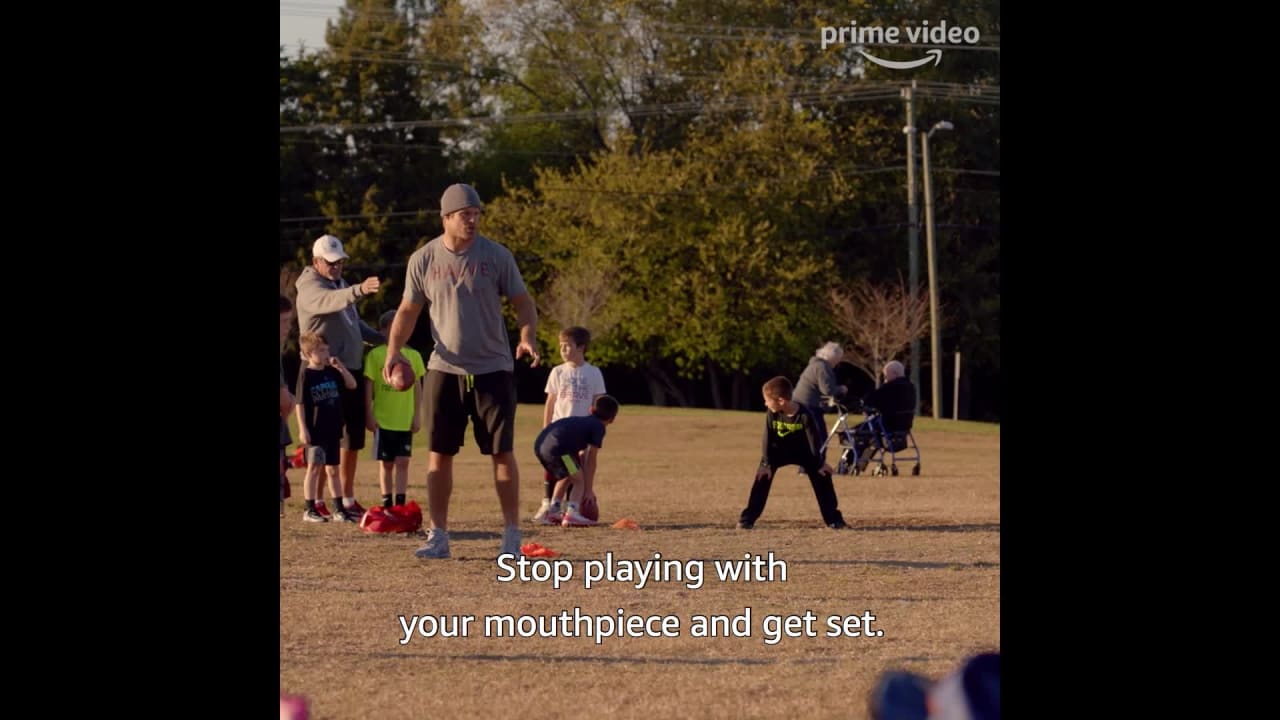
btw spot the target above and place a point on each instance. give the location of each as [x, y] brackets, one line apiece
[963, 528]
[914, 565]
[586, 659]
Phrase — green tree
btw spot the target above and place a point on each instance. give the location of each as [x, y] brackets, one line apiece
[708, 164]
[371, 176]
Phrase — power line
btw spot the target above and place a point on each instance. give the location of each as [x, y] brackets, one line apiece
[355, 216]
[965, 171]
[652, 27]
[712, 105]
[674, 76]
[706, 191]
[342, 143]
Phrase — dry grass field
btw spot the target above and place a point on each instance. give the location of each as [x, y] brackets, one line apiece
[922, 556]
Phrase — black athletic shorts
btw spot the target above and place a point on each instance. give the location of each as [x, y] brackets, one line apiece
[353, 418]
[391, 444]
[488, 401]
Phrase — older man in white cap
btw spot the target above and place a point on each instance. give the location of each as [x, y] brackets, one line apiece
[464, 276]
[326, 305]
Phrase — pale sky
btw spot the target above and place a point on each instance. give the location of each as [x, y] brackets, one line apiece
[302, 21]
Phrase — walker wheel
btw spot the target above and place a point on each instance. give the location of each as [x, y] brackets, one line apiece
[916, 470]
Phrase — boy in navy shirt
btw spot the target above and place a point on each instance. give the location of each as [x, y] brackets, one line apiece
[561, 441]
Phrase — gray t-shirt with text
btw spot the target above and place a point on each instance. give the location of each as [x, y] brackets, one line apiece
[464, 292]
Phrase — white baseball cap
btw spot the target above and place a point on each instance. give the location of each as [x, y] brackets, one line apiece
[329, 248]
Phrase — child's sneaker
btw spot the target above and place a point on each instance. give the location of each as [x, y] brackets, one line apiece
[437, 545]
[573, 518]
[310, 515]
[324, 511]
[540, 517]
[346, 515]
[357, 509]
[553, 516]
[510, 541]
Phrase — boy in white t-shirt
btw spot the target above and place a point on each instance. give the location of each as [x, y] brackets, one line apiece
[571, 390]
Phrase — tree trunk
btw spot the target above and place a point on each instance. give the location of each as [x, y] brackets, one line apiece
[657, 394]
[714, 378]
[735, 392]
[866, 371]
[657, 377]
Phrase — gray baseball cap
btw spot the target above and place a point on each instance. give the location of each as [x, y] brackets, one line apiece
[457, 197]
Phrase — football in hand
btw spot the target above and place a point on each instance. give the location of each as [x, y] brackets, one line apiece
[402, 375]
[590, 508]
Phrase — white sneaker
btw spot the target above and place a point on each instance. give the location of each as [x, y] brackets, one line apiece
[573, 518]
[437, 545]
[553, 516]
[540, 517]
[510, 541]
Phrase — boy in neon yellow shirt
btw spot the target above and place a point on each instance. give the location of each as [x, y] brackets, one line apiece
[393, 415]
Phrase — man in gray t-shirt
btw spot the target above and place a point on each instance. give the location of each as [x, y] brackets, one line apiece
[462, 277]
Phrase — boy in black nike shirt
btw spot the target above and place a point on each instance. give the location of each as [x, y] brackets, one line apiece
[792, 436]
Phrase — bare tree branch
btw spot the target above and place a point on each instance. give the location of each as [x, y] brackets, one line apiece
[877, 322]
[577, 296]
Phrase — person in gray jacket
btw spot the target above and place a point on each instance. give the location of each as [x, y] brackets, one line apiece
[326, 305]
[819, 378]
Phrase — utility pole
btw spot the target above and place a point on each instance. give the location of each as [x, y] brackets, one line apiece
[913, 230]
[935, 354]
[955, 401]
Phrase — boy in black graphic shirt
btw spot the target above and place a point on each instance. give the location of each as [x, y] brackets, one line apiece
[320, 423]
[792, 436]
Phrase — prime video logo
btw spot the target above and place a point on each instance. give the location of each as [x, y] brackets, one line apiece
[922, 34]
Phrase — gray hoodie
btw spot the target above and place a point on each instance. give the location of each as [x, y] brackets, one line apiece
[328, 308]
[817, 381]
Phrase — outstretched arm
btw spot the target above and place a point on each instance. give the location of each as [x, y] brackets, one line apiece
[315, 297]
[828, 384]
[527, 317]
